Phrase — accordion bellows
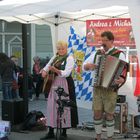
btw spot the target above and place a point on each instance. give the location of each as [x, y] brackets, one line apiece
[108, 69]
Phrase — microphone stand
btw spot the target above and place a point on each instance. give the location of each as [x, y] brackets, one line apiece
[60, 112]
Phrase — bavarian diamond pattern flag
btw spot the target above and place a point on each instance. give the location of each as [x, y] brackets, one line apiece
[83, 80]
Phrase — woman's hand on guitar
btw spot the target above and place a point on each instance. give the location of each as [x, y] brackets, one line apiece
[52, 68]
[43, 73]
[55, 70]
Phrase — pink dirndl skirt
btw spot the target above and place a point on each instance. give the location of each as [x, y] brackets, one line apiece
[52, 106]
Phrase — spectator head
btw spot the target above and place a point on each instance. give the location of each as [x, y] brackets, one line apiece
[3, 58]
[14, 59]
[36, 59]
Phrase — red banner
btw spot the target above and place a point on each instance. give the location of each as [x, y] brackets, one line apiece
[137, 86]
[121, 28]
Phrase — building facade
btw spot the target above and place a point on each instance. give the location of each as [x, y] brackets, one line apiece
[39, 41]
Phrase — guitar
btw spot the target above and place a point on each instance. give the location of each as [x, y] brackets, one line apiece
[51, 75]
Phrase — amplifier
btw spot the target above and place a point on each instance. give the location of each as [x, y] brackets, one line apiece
[137, 121]
[13, 111]
[121, 99]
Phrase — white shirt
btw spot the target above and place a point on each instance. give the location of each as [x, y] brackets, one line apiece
[68, 68]
[121, 56]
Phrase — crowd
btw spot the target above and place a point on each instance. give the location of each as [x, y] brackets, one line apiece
[12, 77]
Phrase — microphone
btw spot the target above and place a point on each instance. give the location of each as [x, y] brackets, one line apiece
[65, 94]
[105, 47]
[60, 91]
[66, 103]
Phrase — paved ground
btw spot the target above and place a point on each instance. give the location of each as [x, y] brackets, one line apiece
[40, 105]
[73, 134]
[38, 135]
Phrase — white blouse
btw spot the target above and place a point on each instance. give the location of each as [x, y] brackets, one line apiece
[68, 68]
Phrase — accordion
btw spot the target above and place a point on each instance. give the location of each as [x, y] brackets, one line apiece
[108, 69]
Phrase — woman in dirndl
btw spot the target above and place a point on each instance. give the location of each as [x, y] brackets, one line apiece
[61, 66]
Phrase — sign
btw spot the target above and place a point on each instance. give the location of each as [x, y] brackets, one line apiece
[121, 28]
[4, 129]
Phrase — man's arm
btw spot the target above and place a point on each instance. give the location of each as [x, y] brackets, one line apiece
[89, 63]
[89, 66]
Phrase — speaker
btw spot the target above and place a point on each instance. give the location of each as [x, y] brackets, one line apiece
[13, 111]
[137, 121]
[121, 99]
